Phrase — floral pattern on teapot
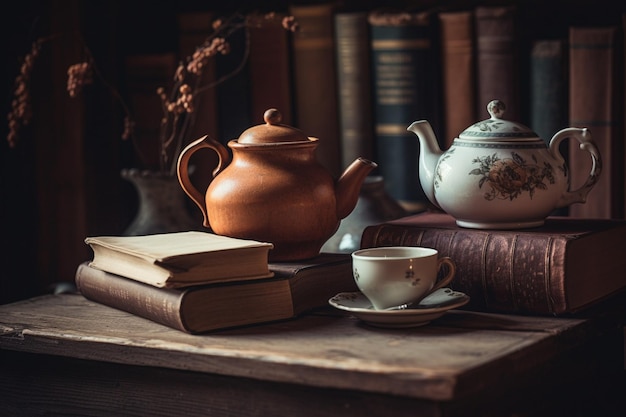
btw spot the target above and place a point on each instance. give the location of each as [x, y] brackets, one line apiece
[509, 177]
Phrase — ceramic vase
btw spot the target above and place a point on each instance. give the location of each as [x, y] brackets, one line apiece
[162, 206]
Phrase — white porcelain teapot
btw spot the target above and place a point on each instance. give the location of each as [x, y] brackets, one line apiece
[500, 174]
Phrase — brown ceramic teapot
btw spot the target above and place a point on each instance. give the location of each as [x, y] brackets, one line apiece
[274, 189]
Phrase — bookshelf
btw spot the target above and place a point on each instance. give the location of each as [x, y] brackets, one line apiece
[63, 183]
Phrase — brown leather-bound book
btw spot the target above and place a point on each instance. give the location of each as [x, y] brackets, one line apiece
[355, 86]
[596, 102]
[296, 288]
[270, 69]
[315, 84]
[562, 267]
[459, 73]
[498, 60]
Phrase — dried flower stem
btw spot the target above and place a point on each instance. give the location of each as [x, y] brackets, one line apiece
[79, 75]
[179, 107]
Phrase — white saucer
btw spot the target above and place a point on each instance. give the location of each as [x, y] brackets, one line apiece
[430, 308]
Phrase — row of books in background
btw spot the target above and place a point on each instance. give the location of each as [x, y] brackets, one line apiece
[198, 281]
[357, 79]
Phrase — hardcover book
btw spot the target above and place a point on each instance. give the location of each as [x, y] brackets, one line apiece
[194, 29]
[315, 83]
[270, 70]
[354, 81]
[498, 59]
[181, 259]
[233, 88]
[404, 79]
[459, 73]
[561, 267]
[145, 74]
[295, 289]
[549, 93]
[548, 87]
[596, 100]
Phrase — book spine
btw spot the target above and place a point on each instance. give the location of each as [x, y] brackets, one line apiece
[459, 73]
[596, 92]
[270, 70]
[548, 87]
[498, 61]
[548, 100]
[233, 88]
[145, 74]
[355, 86]
[157, 304]
[403, 77]
[194, 29]
[505, 272]
[315, 83]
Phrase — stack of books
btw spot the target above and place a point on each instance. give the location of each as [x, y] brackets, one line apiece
[199, 281]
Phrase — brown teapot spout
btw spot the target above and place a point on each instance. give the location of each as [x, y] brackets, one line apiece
[349, 185]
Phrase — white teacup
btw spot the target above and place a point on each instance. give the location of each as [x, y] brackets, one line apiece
[393, 276]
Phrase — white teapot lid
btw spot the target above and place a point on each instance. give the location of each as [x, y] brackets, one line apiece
[497, 129]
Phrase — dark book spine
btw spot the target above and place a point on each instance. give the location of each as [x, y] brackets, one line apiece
[404, 82]
[501, 271]
[145, 74]
[459, 73]
[498, 59]
[596, 91]
[548, 87]
[194, 29]
[157, 304]
[270, 70]
[355, 86]
[315, 83]
[233, 88]
[549, 92]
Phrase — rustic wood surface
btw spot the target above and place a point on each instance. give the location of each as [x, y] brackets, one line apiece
[65, 355]
[461, 353]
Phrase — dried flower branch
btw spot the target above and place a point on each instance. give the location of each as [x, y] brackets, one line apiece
[79, 76]
[20, 114]
[179, 106]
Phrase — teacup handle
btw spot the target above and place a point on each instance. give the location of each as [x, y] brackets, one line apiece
[446, 260]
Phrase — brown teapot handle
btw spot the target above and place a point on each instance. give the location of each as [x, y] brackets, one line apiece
[586, 143]
[183, 170]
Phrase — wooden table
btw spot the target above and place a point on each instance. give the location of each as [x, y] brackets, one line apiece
[65, 355]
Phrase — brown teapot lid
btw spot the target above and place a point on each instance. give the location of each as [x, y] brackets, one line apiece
[272, 131]
[498, 129]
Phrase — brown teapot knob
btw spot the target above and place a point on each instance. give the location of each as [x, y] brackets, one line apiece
[272, 117]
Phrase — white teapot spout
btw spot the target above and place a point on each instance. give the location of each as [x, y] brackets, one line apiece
[430, 152]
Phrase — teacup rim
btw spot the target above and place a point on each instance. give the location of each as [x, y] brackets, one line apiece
[362, 253]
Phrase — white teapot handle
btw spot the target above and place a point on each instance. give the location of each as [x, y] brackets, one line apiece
[586, 143]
